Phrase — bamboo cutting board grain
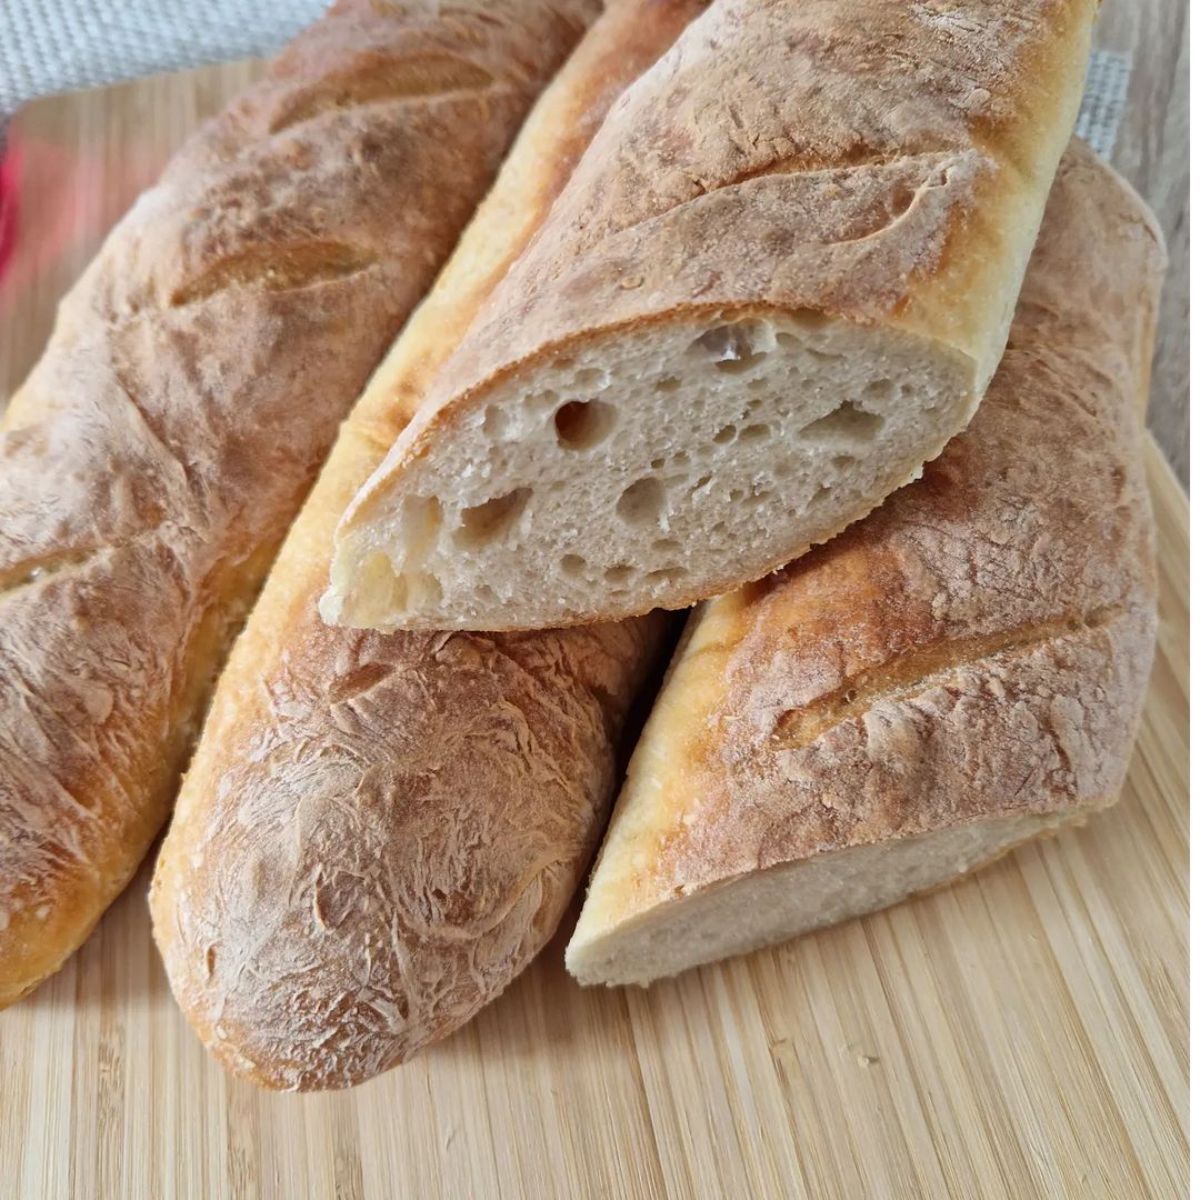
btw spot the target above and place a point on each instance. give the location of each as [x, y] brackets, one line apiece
[1022, 1034]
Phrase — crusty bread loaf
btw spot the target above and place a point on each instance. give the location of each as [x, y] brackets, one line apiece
[192, 386]
[378, 832]
[960, 672]
[778, 282]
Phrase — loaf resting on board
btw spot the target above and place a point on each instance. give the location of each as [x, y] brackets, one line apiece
[192, 386]
[957, 674]
[378, 832]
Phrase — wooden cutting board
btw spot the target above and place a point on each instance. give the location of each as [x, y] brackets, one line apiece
[1022, 1034]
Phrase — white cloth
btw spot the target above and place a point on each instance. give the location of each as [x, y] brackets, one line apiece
[49, 46]
[1103, 101]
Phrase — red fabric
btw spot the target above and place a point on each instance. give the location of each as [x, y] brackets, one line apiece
[10, 171]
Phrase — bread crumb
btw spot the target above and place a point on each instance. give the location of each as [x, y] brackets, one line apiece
[863, 1059]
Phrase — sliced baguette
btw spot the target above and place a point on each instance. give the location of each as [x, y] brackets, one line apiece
[377, 833]
[194, 382]
[955, 675]
[778, 283]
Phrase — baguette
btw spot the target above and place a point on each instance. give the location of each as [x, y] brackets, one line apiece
[957, 674]
[777, 284]
[193, 383]
[378, 832]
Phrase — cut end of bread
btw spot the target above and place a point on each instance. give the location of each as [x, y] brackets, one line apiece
[763, 908]
[562, 493]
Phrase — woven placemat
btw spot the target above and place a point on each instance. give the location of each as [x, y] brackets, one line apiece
[1103, 104]
[50, 46]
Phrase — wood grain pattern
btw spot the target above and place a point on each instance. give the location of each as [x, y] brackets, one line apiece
[1022, 1034]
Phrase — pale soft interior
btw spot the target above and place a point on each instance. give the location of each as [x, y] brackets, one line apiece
[647, 469]
[766, 907]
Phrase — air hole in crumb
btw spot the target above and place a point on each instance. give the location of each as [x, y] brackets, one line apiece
[736, 347]
[757, 385]
[679, 457]
[379, 577]
[725, 434]
[840, 462]
[664, 545]
[491, 520]
[878, 388]
[754, 433]
[702, 482]
[423, 589]
[667, 384]
[902, 198]
[736, 495]
[847, 423]
[618, 574]
[657, 464]
[581, 424]
[399, 589]
[735, 366]
[641, 502]
[665, 575]
[422, 516]
[572, 565]
[589, 377]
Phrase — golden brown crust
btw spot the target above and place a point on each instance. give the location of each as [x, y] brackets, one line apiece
[978, 646]
[191, 388]
[371, 846]
[378, 832]
[753, 167]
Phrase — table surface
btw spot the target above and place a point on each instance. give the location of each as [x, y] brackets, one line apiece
[1021, 1034]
